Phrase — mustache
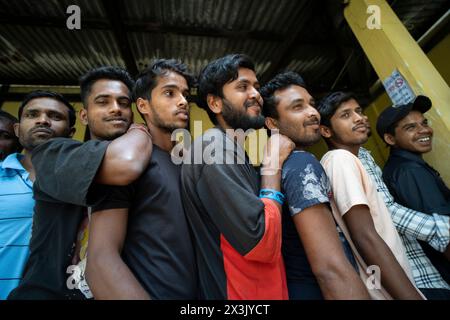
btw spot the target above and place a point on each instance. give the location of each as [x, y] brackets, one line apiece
[182, 111]
[42, 128]
[313, 121]
[249, 103]
[363, 125]
[115, 118]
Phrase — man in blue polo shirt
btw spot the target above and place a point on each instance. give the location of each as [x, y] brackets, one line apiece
[42, 115]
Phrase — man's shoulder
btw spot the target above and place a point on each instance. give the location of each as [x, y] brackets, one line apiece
[10, 163]
[62, 146]
[301, 159]
[339, 155]
[400, 165]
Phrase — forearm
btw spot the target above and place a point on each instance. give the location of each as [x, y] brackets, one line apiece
[343, 284]
[431, 228]
[375, 252]
[109, 278]
[125, 159]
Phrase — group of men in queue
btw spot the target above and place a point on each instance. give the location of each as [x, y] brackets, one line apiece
[295, 228]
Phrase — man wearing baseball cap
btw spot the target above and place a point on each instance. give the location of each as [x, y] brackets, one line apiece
[412, 182]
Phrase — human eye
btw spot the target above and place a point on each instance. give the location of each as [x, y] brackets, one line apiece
[31, 114]
[168, 93]
[55, 116]
[124, 103]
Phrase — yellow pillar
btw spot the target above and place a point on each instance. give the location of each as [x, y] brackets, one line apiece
[392, 47]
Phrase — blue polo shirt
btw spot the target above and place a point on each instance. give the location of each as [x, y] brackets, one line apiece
[16, 216]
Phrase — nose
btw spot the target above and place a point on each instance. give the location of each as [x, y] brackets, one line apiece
[359, 117]
[312, 112]
[43, 119]
[114, 107]
[425, 129]
[182, 102]
[254, 94]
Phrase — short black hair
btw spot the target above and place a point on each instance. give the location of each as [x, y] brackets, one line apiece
[49, 94]
[104, 72]
[8, 117]
[216, 74]
[279, 82]
[147, 79]
[330, 103]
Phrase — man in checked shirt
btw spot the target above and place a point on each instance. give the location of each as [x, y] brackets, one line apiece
[413, 226]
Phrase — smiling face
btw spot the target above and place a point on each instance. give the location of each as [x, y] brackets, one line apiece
[297, 117]
[42, 119]
[348, 126]
[108, 109]
[242, 102]
[168, 108]
[412, 133]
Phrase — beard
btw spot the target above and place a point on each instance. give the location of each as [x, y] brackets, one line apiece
[307, 141]
[29, 142]
[239, 119]
[303, 140]
[165, 126]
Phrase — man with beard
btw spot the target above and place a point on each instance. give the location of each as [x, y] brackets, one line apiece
[312, 272]
[9, 143]
[359, 209]
[43, 115]
[68, 174]
[237, 234]
[140, 245]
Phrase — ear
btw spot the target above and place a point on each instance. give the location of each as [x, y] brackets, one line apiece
[16, 129]
[271, 123]
[83, 116]
[389, 139]
[214, 103]
[325, 131]
[143, 105]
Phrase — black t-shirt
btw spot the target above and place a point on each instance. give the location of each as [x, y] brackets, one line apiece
[65, 169]
[158, 247]
[221, 202]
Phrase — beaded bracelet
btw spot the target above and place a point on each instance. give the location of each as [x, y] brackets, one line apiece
[272, 194]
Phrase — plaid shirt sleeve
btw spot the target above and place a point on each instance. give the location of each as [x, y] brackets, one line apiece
[432, 228]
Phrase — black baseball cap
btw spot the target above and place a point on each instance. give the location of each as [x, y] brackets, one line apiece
[393, 114]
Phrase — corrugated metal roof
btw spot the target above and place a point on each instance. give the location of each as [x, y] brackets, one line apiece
[51, 8]
[270, 16]
[36, 47]
[46, 53]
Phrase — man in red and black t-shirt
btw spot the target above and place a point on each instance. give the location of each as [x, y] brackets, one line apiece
[234, 216]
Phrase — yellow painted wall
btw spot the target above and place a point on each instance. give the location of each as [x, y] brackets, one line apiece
[439, 56]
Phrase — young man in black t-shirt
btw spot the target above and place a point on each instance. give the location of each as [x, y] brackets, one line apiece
[67, 177]
[140, 245]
